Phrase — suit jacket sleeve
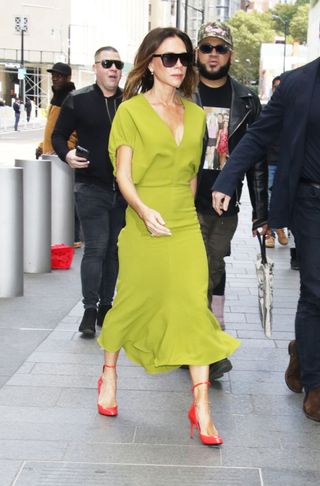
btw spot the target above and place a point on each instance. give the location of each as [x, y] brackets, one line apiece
[254, 144]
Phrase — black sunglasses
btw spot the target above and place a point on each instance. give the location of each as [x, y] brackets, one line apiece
[170, 59]
[107, 63]
[220, 48]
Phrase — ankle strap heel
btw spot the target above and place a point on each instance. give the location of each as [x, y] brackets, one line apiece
[108, 366]
[201, 383]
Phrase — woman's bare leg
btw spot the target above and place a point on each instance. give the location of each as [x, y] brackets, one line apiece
[108, 391]
[200, 374]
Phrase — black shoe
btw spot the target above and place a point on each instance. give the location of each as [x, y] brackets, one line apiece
[294, 263]
[218, 369]
[102, 311]
[88, 323]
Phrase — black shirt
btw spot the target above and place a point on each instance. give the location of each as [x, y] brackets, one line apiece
[216, 102]
[311, 164]
[88, 113]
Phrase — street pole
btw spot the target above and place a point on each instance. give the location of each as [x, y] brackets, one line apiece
[69, 43]
[21, 87]
[186, 5]
[178, 13]
[285, 45]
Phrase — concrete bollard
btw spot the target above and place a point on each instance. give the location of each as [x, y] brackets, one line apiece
[62, 200]
[36, 215]
[11, 229]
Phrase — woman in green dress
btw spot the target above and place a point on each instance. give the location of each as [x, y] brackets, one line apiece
[160, 315]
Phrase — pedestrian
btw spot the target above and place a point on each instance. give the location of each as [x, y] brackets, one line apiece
[100, 206]
[230, 107]
[28, 108]
[61, 86]
[160, 314]
[293, 111]
[272, 159]
[17, 111]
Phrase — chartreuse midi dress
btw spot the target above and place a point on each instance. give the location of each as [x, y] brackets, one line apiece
[160, 314]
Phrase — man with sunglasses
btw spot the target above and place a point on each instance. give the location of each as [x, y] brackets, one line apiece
[90, 111]
[230, 108]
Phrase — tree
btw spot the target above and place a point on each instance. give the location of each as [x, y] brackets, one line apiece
[286, 12]
[299, 24]
[249, 31]
[295, 17]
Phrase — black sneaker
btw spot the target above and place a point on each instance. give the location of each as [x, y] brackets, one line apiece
[102, 311]
[88, 323]
[218, 369]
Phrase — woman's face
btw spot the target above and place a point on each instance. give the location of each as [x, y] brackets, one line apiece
[169, 76]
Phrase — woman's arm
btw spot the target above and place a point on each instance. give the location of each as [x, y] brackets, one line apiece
[151, 218]
[193, 185]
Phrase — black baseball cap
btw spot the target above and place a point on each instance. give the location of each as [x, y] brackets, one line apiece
[61, 68]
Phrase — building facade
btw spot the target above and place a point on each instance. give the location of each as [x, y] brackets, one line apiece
[34, 36]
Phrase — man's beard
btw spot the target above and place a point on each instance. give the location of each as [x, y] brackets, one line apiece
[223, 71]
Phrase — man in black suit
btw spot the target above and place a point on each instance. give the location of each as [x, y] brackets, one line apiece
[293, 111]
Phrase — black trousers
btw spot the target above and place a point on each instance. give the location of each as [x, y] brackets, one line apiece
[306, 230]
[217, 233]
[102, 215]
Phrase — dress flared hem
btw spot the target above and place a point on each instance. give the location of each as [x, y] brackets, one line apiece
[160, 367]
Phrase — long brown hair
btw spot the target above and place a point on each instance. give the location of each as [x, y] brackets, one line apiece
[140, 77]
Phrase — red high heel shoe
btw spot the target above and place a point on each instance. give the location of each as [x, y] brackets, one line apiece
[110, 411]
[205, 439]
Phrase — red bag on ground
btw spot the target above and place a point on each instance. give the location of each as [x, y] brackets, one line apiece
[61, 256]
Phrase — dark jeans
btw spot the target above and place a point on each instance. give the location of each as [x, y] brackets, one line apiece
[77, 226]
[16, 120]
[102, 215]
[217, 233]
[306, 230]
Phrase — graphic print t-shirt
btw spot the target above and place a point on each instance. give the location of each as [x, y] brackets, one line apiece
[216, 103]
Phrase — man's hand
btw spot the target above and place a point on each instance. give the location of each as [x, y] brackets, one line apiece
[38, 152]
[76, 162]
[264, 230]
[220, 202]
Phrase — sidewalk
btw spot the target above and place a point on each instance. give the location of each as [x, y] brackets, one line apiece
[51, 433]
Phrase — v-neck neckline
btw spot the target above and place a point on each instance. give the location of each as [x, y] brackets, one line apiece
[165, 123]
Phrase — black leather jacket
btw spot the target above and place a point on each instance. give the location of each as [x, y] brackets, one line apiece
[245, 109]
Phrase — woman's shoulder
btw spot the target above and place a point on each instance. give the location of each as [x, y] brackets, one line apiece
[130, 104]
[193, 107]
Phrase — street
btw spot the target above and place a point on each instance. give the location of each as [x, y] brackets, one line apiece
[18, 145]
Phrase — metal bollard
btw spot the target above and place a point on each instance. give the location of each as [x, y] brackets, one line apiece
[36, 215]
[62, 201]
[11, 224]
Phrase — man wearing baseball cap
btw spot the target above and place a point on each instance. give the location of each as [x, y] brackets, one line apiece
[230, 107]
[61, 87]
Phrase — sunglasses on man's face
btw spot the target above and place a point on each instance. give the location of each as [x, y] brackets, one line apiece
[170, 59]
[220, 48]
[107, 63]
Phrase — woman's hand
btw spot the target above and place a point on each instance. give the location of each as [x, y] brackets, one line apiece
[154, 222]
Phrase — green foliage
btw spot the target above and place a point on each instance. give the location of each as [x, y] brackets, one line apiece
[286, 12]
[249, 31]
[299, 24]
[304, 2]
[292, 19]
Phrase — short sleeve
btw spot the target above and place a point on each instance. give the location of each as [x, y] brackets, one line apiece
[123, 132]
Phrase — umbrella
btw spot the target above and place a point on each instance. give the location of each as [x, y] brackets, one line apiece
[264, 269]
